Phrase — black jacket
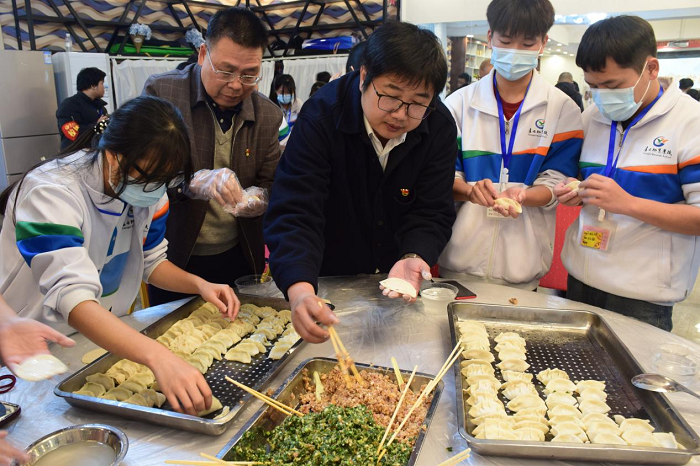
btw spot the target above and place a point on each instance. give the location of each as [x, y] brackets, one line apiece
[82, 110]
[570, 90]
[335, 212]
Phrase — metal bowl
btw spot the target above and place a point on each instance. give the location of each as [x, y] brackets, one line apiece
[108, 435]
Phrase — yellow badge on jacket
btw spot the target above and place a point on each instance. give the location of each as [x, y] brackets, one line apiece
[598, 235]
[70, 130]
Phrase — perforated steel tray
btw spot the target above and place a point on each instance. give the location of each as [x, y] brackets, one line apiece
[267, 418]
[255, 375]
[582, 344]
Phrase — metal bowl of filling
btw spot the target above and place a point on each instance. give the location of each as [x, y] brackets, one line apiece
[82, 445]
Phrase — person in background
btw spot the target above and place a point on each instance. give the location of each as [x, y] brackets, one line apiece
[463, 80]
[317, 85]
[365, 183]
[233, 133]
[567, 85]
[82, 230]
[685, 85]
[519, 137]
[285, 95]
[81, 111]
[694, 93]
[634, 248]
[485, 68]
[323, 76]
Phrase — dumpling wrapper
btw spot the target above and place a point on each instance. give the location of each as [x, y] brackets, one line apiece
[529, 434]
[278, 351]
[120, 393]
[584, 384]
[400, 286]
[594, 406]
[500, 422]
[516, 388]
[494, 432]
[607, 438]
[478, 369]
[548, 375]
[511, 353]
[478, 354]
[215, 406]
[574, 185]
[638, 438]
[560, 398]
[541, 426]
[485, 407]
[636, 424]
[39, 367]
[568, 418]
[513, 365]
[564, 410]
[510, 376]
[478, 397]
[506, 203]
[560, 385]
[525, 401]
[238, 355]
[567, 438]
[93, 355]
[593, 394]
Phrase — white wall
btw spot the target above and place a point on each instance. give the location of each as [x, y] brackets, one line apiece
[552, 66]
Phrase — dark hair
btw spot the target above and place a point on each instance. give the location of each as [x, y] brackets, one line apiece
[407, 52]
[355, 57]
[694, 93]
[520, 18]
[286, 82]
[466, 76]
[628, 40]
[145, 129]
[89, 77]
[325, 76]
[240, 25]
[316, 86]
[685, 83]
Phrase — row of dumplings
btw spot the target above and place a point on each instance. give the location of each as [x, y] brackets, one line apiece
[272, 325]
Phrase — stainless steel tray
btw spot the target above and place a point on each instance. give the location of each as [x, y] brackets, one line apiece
[582, 344]
[256, 375]
[269, 418]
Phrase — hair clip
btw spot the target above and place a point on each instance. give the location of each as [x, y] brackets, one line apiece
[101, 126]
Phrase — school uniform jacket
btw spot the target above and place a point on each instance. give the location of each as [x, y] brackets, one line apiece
[54, 257]
[546, 150]
[660, 161]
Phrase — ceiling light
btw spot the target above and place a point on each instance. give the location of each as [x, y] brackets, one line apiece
[470, 36]
[558, 50]
[558, 45]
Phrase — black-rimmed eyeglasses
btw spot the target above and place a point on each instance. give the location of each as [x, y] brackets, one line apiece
[391, 104]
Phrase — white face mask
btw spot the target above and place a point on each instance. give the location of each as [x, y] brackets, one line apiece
[513, 64]
[619, 104]
[137, 195]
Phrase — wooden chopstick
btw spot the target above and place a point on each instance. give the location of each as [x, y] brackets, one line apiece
[340, 357]
[428, 388]
[213, 458]
[346, 355]
[274, 403]
[396, 411]
[397, 372]
[458, 458]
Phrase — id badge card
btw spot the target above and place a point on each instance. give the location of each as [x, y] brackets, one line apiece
[492, 214]
[599, 234]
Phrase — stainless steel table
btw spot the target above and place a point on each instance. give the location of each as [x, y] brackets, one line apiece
[374, 329]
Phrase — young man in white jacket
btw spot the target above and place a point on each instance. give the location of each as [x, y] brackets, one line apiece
[634, 248]
[520, 137]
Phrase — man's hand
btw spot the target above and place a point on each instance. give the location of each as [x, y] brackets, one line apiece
[567, 196]
[605, 193]
[307, 309]
[22, 338]
[221, 184]
[483, 193]
[414, 270]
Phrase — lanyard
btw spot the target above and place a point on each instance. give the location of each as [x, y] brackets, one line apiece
[507, 151]
[611, 165]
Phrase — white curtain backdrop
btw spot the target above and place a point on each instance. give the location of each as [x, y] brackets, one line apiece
[268, 72]
[304, 71]
[129, 76]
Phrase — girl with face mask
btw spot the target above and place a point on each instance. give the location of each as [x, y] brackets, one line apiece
[285, 95]
[82, 230]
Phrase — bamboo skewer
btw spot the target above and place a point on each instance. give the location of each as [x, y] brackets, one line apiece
[348, 360]
[396, 411]
[458, 458]
[339, 356]
[213, 458]
[274, 403]
[428, 388]
[397, 372]
[319, 386]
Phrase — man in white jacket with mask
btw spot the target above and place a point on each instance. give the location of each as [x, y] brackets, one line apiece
[518, 138]
[634, 248]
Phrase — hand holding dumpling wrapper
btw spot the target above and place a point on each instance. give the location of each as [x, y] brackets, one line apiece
[223, 186]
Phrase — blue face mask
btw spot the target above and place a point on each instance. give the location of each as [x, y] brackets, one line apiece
[513, 64]
[618, 104]
[139, 195]
[284, 99]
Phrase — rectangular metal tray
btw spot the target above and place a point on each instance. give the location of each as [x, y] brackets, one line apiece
[582, 344]
[255, 375]
[268, 418]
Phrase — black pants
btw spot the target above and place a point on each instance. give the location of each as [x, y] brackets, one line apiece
[654, 314]
[226, 267]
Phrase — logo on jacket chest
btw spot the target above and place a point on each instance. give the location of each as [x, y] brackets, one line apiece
[538, 130]
[659, 147]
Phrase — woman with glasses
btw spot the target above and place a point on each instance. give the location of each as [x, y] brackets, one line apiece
[82, 230]
[365, 184]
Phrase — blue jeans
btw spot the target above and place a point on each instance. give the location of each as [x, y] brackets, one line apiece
[654, 314]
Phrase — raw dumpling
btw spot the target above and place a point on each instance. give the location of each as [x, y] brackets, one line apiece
[478, 354]
[102, 379]
[260, 338]
[278, 351]
[636, 424]
[476, 345]
[593, 406]
[214, 345]
[134, 385]
[477, 421]
[522, 416]
[400, 286]
[508, 336]
[509, 376]
[39, 367]
[477, 369]
[249, 348]
[197, 362]
[538, 411]
[138, 400]
[547, 375]
[485, 407]
[666, 440]
[541, 426]
[469, 362]
[560, 385]
[589, 419]
[500, 422]
[595, 428]
[482, 396]
[467, 326]
[513, 365]
[120, 393]
[607, 438]
[94, 388]
[269, 333]
[108, 396]
[510, 345]
[516, 388]
[561, 419]
[560, 398]
[494, 432]
[569, 428]
[215, 406]
[584, 384]
[238, 355]
[567, 438]
[214, 354]
[261, 348]
[529, 434]
[525, 401]
[511, 353]
[153, 397]
[593, 394]
[564, 410]
[638, 438]
[476, 379]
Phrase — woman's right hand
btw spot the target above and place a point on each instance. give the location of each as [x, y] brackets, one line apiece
[182, 384]
[8, 453]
